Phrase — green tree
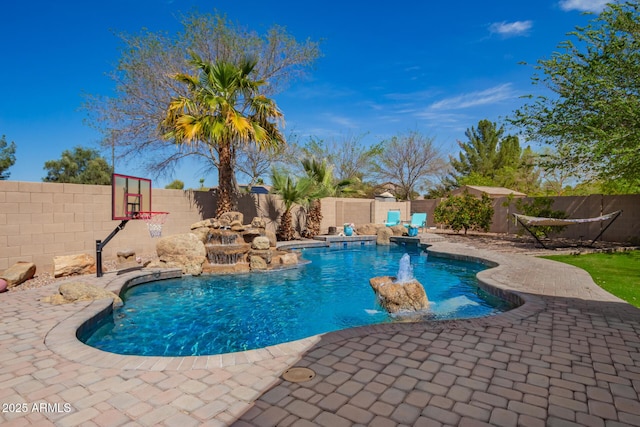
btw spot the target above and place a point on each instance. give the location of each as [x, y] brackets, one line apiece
[292, 191]
[465, 212]
[144, 85]
[7, 157]
[593, 111]
[349, 158]
[409, 161]
[175, 185]
[323, 185]
[224, 109]
[80, 166]
[488, 157]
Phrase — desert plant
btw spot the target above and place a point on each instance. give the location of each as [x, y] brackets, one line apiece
[175, 185]
[293, 191]
[324, 184]
[225, 108]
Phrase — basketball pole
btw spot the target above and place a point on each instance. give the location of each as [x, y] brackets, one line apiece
[102, 243]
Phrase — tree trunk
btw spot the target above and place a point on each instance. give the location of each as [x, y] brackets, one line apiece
[285, 232]
[314, 218]
[225, 180]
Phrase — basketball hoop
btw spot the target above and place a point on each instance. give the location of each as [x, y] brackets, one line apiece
[154, 221]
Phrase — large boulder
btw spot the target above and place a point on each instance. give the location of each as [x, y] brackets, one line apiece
[72, 265]
[288, 259]
[230, 217]
[396, 297]
[384, 236]
[257, 262]
[186, 244]
[201, 233]
[236, 225]
[265, 254]
[185, 251]
[368, 229]
[126, 258]
[78, 291]
[261, 243]
[202, 228]
[206, 223]
[18, 273]
[258, 222]
[398, 230]
[251, 233]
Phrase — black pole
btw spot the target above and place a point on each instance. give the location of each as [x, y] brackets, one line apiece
[605, 229]
[101, 244]
[530, 232]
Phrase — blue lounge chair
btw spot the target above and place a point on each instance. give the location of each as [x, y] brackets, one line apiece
[393, 218]
[418, 220]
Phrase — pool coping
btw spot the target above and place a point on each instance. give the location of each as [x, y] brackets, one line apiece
[63, 340]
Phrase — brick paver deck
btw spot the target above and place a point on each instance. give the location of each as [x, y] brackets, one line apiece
[568, 356]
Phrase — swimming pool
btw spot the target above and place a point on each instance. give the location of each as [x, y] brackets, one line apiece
[209, 315]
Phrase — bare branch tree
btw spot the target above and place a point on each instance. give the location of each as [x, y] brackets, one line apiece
[144, 83]
[349, 158]
[410, 162]
[256, 163]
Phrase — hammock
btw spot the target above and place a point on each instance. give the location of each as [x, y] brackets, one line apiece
[535, 221]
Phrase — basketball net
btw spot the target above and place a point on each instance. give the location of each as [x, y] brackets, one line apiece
[154, 221]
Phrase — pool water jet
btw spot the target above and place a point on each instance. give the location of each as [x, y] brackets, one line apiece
[402, 293]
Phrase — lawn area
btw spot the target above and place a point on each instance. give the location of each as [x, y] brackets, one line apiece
[617, 273]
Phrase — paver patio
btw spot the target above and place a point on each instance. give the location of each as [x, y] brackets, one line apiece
[569, 356]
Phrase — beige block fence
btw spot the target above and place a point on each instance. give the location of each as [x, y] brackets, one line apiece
[39, 221]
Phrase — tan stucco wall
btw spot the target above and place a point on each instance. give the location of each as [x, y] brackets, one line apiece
[41, 220]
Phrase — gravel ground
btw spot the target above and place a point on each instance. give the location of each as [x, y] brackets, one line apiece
[46, 278]
[527, 245]
[495, 242]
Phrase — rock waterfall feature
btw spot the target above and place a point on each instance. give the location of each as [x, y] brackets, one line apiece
[222, 246]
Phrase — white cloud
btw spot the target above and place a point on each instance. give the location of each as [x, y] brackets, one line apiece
[584, 5]
[473, 99]
[511, 29]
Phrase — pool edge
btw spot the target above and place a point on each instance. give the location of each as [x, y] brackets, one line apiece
[63, 340]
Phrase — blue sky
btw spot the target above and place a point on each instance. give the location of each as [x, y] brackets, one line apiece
[433, 67]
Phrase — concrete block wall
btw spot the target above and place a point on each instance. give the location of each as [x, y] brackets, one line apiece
[338, 211]
[380, 210]
[39, 221]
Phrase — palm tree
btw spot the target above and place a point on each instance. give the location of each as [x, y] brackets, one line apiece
[224, 108]
[324, 185]
[293, 191]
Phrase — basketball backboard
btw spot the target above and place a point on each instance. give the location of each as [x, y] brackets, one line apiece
[130, 195]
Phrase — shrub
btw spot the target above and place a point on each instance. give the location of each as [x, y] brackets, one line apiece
[465, 212]
[175, 185]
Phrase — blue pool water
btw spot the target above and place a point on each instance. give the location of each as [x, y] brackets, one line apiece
[220, 314]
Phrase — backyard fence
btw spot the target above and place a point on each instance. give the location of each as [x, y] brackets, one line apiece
[625, 229]
[39, 221]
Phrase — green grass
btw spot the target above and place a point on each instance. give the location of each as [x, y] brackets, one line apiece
[617, 273]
